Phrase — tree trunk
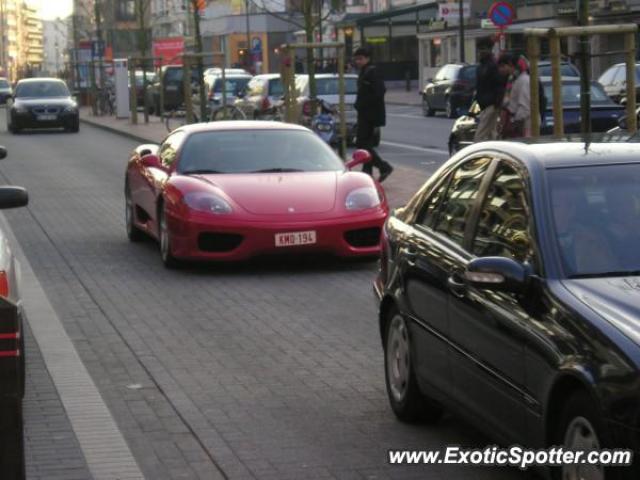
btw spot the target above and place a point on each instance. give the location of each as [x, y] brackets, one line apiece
[311, 66]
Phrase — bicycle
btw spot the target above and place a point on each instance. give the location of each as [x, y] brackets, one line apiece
[178, 117]
[106, 101]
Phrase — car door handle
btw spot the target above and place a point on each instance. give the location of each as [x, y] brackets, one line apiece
[411, 254]
[456, 285]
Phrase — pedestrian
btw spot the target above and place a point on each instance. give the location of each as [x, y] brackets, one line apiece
[371, 111]
[517, 119]
[490, 88]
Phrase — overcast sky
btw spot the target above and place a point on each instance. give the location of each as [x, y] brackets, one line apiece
[50, 9]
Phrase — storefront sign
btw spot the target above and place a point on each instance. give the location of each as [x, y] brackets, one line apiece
[377, 40]
[487, 24]
[169, 49]
[437, 25]
[451, 11]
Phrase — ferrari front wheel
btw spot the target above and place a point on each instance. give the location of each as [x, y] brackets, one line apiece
[168, 259]
[133, 233]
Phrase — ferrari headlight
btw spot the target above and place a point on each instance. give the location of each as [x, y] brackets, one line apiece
[207, 202]
[362, 198]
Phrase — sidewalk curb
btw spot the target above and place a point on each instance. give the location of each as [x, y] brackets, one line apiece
[116, 131]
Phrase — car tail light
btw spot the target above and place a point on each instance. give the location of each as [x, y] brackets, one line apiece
[4, 284]
[266, 104]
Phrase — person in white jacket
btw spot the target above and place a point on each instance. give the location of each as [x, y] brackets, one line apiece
[519, 102]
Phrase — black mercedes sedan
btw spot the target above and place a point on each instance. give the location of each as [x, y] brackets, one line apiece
[509, 293]
[42, 103]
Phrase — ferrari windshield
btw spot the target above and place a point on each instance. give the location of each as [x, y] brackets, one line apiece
[257, 151]
[597, 219]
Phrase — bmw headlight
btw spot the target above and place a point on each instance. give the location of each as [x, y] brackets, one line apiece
[71, 109]
[362, 198]
[207, 202]
[20, 109]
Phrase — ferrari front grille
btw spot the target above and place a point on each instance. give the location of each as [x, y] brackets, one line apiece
[364, 237]
[218, 242]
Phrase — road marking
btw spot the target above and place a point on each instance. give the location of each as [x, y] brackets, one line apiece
[405, 115]
[414, 147]
[106, 451]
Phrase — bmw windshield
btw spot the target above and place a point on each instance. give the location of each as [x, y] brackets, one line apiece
[42, 90]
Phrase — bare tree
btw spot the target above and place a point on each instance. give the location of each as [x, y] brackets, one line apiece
[305, 15]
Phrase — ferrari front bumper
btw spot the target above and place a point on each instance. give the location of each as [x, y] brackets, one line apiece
[198, 238]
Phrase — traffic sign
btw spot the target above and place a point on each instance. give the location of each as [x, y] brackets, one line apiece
[501, 14]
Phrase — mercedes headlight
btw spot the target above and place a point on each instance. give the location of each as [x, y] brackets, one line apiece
[207, 202]
[362, 198]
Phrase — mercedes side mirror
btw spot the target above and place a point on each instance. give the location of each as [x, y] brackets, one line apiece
[13, 197]
[497, 273]
[359, 157]
[3, 152]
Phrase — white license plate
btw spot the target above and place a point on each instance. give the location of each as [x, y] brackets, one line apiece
[295, 238]
[172, 88]
[46, 118]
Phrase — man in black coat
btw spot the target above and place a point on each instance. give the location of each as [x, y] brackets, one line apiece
[371, 112]
[490, 88]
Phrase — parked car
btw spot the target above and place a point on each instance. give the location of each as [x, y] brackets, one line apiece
[231, 190]
[5, 90]
[236, 83]
[170, 82]
[327, 89]
[12, 351]
[567, 70]
[152, 78]
[42, 103]
[614, 82]
[604, 113]
[450, 90]
[228, 71]
[263, 94]
[508, 294]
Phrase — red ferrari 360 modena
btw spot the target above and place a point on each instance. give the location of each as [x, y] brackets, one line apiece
[233, 190]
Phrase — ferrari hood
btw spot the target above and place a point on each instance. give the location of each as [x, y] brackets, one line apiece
[279, 193]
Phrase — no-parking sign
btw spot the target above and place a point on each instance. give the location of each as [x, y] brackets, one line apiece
[501, 14]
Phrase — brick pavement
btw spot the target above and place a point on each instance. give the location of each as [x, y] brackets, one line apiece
[52, 451]
[269, 369]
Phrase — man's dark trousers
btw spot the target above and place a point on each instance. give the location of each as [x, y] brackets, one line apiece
[365, 139]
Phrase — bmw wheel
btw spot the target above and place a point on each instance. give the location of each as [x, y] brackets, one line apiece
[407, 401]
[426, 108]
[450, 109]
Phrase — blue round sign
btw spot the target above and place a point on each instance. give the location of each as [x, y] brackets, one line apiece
[501, 14]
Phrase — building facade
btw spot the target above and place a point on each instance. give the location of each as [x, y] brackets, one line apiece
[55, 34]
[21, 40]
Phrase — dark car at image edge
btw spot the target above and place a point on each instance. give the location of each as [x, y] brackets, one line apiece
[494, 305]
[12, 350]
[450, 90]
